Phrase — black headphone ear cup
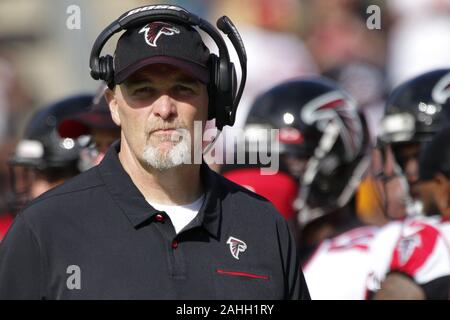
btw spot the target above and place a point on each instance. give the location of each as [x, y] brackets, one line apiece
[234, 84]
[225, 92]
[220, 91]
[101, 68]
[106, 65]
[213, 86]
[234, 88]
[95, 69]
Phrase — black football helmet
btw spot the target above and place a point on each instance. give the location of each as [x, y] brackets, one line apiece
[318, 122]
[43, 150]
[417, 109]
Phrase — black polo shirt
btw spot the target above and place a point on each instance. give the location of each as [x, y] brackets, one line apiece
[96, 237]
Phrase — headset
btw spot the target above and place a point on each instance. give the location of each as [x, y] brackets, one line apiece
[223, 96]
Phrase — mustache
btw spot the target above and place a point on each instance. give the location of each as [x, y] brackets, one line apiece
[166, 126]
[181, 131]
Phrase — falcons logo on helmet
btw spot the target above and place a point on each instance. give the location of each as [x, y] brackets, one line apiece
[334, 106]
[154, 30]
[236, 246]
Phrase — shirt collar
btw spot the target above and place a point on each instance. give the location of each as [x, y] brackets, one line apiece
[138, 210]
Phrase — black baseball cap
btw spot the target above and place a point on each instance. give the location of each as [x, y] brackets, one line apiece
[435, 156]
[161, 42]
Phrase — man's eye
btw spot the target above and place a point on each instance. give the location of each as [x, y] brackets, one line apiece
[143, 90]
[183, 89]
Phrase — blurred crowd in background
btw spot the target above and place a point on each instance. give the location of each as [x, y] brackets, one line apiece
[43, 61]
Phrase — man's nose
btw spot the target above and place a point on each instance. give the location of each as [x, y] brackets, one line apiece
[164, 107]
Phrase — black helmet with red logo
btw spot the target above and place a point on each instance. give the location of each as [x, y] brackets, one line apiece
[319, 123]
[42, 150]
[42, 147]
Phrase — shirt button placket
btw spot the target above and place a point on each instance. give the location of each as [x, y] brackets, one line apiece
[179, 268]
[159, 217]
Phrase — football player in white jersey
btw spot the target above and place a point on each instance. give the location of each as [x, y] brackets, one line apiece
[410, 256]
[323, 143]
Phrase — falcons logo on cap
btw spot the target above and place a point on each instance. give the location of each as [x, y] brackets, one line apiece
[154, 30]
[236, 246]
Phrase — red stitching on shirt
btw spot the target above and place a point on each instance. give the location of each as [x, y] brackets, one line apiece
[242, 274]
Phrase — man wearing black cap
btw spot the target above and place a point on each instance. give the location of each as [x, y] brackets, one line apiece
[147, 223]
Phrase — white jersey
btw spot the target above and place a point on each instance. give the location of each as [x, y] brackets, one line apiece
[339, 267]
[417, 247]
[445, 229]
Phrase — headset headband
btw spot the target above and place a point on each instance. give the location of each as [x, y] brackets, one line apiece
[172, 13]
[146, 14]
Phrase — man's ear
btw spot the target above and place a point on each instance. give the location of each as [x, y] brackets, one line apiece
[110, 97]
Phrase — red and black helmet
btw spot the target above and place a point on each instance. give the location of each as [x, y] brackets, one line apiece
[317, 121]
[42, 150]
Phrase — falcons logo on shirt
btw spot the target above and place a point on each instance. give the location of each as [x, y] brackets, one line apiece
[154, 30]
[406, 248]
[236, 246]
